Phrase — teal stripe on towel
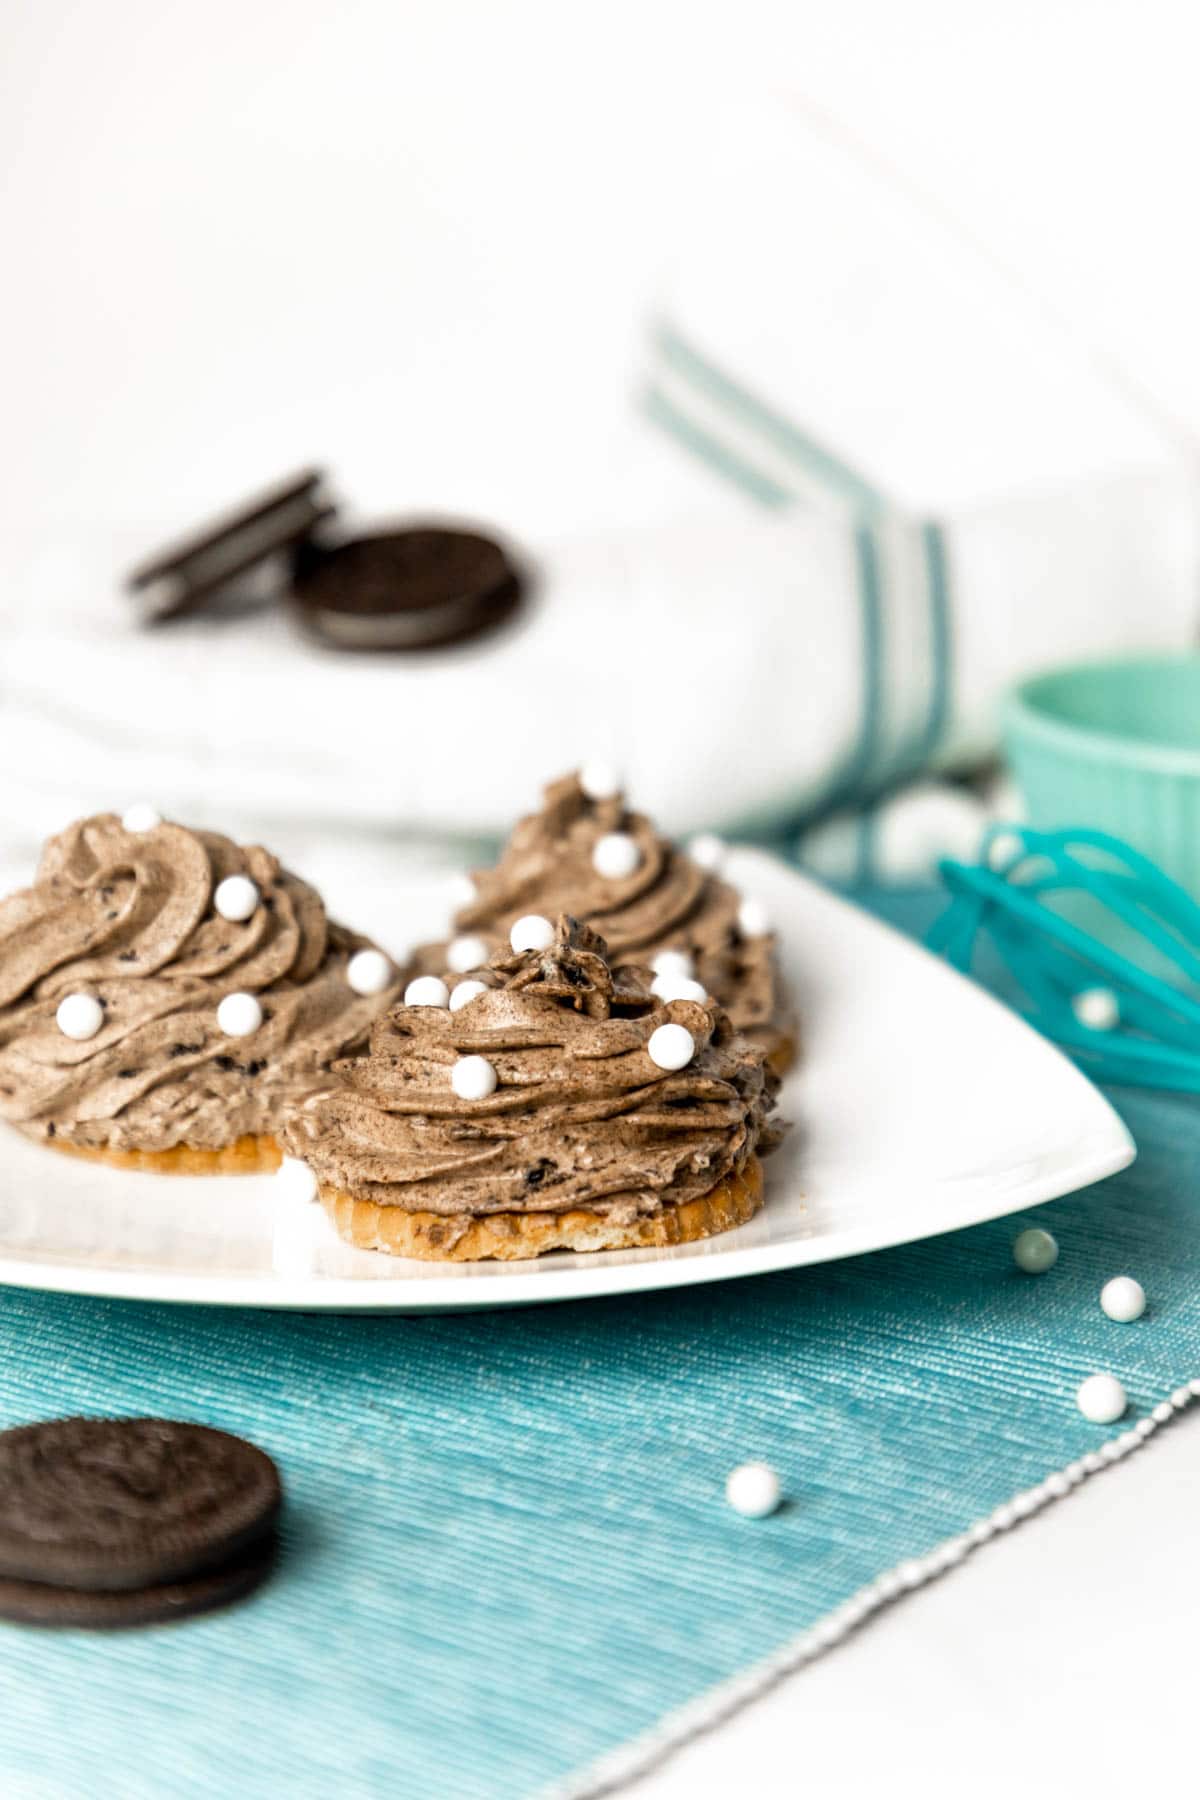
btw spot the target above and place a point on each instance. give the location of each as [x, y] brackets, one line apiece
[821, 463]
[710, 451]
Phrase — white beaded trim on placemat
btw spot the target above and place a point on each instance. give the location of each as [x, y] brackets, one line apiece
[630, 1762]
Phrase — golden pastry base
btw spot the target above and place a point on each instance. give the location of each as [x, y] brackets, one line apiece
[514, 1237]
[245, 1156]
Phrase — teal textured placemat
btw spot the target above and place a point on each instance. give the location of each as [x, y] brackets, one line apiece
[507, 1548]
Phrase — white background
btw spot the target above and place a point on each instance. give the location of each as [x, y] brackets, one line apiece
[415, 239]
[416, 242]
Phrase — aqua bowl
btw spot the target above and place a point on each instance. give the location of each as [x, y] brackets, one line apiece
[1114, 746]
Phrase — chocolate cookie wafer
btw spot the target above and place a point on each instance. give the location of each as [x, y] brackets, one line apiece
[38, 1603]
[261, 535]
[412, 589]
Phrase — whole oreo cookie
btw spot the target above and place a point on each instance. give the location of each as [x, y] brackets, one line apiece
[38, 1603]
[409, 589]
[115, 1505]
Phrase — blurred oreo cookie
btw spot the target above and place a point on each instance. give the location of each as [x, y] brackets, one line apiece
[252, 546]
[121, 1521]
[409, 589]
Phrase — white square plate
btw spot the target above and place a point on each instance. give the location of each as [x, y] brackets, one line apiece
[921, 1105]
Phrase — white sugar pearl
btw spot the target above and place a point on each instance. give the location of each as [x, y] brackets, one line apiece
[369, 972]
[753, 1490]
[236, 897]
[753, 919]
[1097, 1008]
[466, 953]
[678, 987]
[600, 780]
[473, 1078]
[1123, 1299]
[533, 932]
[708, 851]
[461, 890]
[671, 1047]
[616, 855]
[464, 992]
[673, 962]
[141, 818]
[427, 990]
[1035, 1251]
[79, 1016]
[239, 1014]
[1102, 1399]
[296, 1179]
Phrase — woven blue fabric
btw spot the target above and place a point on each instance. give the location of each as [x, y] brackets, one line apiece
[506, 1544]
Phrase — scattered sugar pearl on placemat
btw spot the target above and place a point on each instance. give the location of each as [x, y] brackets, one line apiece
[753, 1490]
[1123, 1299]
[1035, 1251]
[1102, 1399]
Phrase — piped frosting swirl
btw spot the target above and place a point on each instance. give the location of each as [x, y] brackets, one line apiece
[128, 918]
[580, 1115]
[665, 901]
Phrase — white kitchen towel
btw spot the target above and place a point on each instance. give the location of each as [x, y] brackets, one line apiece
[872, 483]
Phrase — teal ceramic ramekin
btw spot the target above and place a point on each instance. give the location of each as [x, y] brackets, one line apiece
[1114, 746]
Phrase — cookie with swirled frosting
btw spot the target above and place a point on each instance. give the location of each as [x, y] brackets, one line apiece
[562, 1106]
[165, 994]
[586, 854]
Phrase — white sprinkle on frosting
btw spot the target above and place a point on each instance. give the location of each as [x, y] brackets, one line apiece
[616, 855]
[236, 898]
[707, 850]
[141, 817]
[427, 990]
[671, 1047]
[753, 918]
[464, 992]
[473, 1078]
[600, 780]
[239, 1015]
[369, 972]
[532, 932]
[79, 1016]
[466, 953]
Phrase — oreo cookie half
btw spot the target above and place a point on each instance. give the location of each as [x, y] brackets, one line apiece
[254, 541]
[411, 589]
[114, 1506]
